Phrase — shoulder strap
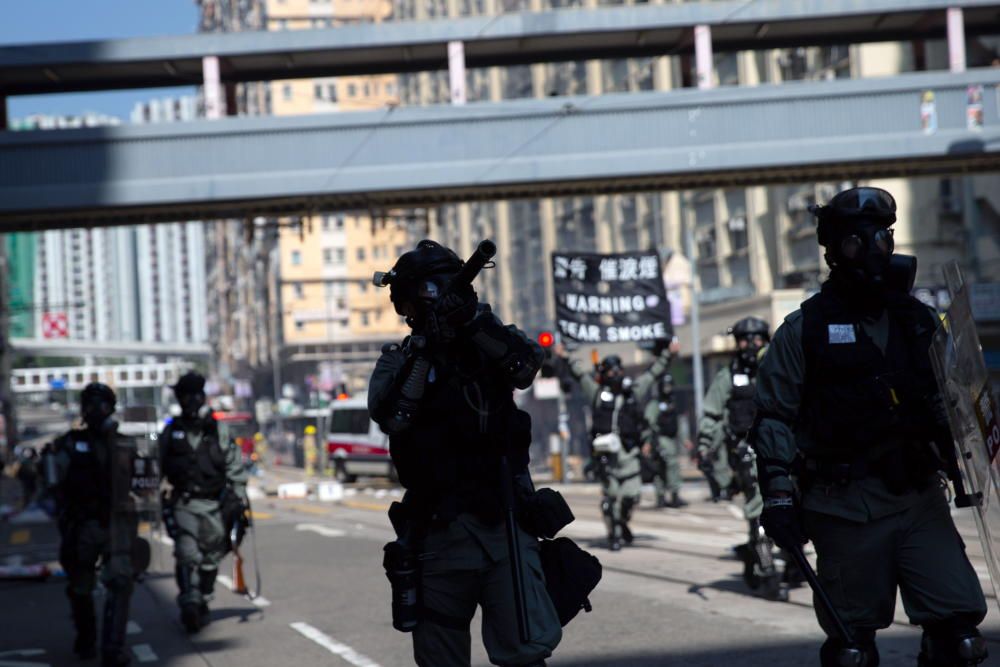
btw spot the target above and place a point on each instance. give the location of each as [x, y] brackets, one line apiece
[619, 402]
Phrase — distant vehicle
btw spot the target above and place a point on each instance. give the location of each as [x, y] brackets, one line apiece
[355, 445]
[238, 427]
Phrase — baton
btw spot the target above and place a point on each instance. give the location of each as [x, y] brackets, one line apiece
[514, 549]
[846, 636]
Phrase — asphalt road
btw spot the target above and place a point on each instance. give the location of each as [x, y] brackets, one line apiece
[676, 597]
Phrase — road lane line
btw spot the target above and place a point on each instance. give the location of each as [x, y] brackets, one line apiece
[325, 531]
[333, 646]
[735, 512]
[309, 509]
[259, 601]
[144, 653]
[362, 505]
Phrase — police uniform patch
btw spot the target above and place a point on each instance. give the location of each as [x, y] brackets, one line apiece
[178, 435]
[840, 334]
[741, 380]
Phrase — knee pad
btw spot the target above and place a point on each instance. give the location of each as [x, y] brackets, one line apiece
[628, 503]
[951, 644]
[606, 507]
[834, 653]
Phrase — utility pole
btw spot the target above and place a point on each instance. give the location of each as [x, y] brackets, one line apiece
[6, 390]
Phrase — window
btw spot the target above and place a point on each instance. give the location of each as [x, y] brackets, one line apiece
[328, 256]
[361, 254]
[331, 92]
[318, 91]
[326, 224]
[299, 290]
[286, 92]
[352, 90]
[300, 325]
[364, 319]
[352, 420]
[338, 254]
[296, 258]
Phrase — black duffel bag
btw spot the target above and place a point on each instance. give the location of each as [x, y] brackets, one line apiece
[570, 575]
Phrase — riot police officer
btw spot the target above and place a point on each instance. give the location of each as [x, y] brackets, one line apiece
[729, 414]
[204, 474]
[616, 404]
[88, 476]
[847, 401]
[445, 398]
[661, 426]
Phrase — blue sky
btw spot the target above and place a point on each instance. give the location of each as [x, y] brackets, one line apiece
[34, 21]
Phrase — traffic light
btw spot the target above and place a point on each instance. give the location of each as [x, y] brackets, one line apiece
[546, 339]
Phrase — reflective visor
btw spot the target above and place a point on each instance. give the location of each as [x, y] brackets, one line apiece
[860, 201]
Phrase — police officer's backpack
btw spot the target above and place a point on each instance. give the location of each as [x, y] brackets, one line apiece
[570, 575]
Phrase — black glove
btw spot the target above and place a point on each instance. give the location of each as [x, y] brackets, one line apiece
[782, 521]
[451, 313]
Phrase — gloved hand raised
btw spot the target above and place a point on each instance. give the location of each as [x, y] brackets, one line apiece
[782, 521]
[451, 312]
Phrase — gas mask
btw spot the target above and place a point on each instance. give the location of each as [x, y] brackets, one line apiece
[192, 404]
[863, 254]
[96, 411]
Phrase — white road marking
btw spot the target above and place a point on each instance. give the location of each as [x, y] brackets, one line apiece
[333, 646]
[22, 653]
[325, 531]
[735, 512]
[259, 601]
[133, 628]
[690, 518]
[144, 653]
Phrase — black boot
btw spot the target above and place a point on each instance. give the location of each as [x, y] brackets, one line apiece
[190, 614]
[206, 584]
[627, 534]
[85, 621]
[113, 652]
[676, 502]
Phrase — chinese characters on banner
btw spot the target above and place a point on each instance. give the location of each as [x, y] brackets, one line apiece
[610, 298]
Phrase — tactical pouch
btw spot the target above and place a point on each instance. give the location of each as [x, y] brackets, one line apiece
[545, 513]
[570, 575]
[402, 568]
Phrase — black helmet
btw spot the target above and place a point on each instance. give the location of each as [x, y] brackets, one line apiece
[190, 383]
[429, 258]
[751, 326]
[99, 391]
[610, 362]
[863, 203]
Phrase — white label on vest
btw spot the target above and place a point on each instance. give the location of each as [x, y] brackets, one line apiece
[841, 333]
[741, 380]
[178, 435]
[82, 447]
[607, 396]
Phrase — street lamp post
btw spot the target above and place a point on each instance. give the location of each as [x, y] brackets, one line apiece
[696, 370]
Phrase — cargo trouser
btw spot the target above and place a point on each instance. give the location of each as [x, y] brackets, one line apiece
[918, 551]
[465, 565]
[668, 475]
[200, 543]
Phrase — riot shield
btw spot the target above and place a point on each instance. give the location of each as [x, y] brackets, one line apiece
[136, 512]
[963, 381]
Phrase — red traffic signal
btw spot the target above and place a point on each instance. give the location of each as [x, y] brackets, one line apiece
[546, 339]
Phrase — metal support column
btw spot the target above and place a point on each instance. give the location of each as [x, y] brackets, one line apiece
[703, 56]
[212, 87]
[956, 39]
[696, 370]
[456, 72]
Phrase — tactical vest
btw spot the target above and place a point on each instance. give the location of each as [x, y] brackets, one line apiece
[667, 422]
[199, 471]
[857, 401]
[85, 492]
[740, 406]
[629, 417]
[449, 459]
